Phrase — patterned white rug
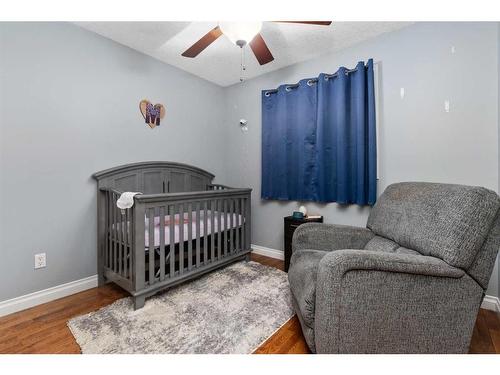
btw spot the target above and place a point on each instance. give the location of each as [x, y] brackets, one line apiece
[231, 310]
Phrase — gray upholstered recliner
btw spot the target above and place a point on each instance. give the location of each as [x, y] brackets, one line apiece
[411, 282]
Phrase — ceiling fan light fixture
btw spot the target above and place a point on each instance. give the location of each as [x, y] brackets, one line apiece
[240, 31]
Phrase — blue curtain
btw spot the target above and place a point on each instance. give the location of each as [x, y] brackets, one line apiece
[319, 139]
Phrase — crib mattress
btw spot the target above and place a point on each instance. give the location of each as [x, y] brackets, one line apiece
[224, 224]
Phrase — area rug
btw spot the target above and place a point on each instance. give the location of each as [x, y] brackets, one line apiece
[231, 310]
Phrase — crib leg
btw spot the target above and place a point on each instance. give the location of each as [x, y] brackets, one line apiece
[247, 257]
[100, 279]
[139, 302]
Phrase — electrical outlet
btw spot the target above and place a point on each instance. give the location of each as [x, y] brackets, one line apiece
[40, 260]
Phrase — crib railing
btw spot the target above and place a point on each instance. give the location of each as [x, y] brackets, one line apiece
[212, 227]
[118, 243]
[217, 187]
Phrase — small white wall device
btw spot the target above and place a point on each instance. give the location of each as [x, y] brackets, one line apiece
[243, 125]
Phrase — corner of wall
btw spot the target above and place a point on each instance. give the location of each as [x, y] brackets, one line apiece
[498, 148]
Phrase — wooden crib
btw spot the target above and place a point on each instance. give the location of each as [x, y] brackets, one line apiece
[180, 227]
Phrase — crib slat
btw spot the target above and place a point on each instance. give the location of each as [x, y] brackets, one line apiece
[124, 239]
[151, 245]
[219, 224]
[248, 213]
[120, 241]
[108, 228]
[115, 242]
[127, 243]
[121, 217]
[118, 237]
[212, 230]
[111, 230]
[242, 223]
[231, 226]
[244, 220]
[162, 243]
[225, 227]
[172, 240]
[205, 230]
[198, 222]
[181, 238]
[138, 260]
[115, 232]
[190, 236]
[237, 223]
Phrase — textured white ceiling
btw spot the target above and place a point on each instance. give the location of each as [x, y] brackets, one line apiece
[220, 62]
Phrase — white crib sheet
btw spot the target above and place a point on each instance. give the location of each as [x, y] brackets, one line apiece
[236, 222]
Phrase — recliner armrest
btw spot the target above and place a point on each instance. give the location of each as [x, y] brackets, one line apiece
[329, 237]
[353, 287]
[342, 261]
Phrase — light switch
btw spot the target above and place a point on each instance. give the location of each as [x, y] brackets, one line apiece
[452, 49]
[447, 106]
[402, 92]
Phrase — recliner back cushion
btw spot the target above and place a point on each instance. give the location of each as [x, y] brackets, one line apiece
[450, 222]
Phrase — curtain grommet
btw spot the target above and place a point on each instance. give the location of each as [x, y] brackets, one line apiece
[288, 89]
[267, 94]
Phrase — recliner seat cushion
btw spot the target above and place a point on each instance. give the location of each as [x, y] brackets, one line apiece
[302, 276]
[378, 243]
[447, 221]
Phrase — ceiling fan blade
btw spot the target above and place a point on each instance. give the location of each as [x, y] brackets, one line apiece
[260, 50]
[319, 23]
[203, 43]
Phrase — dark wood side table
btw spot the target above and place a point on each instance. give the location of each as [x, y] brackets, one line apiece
[290, 225]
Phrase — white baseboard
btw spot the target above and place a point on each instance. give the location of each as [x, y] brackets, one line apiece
[491, 303]
[37, 298]
[268, 252]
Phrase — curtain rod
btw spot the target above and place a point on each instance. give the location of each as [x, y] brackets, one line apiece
[311, 81]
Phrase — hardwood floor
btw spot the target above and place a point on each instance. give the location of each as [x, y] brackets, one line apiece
[42, 329]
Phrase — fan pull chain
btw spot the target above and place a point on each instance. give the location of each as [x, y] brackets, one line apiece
[242, 64]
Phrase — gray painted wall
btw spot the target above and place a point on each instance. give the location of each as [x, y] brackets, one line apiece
[69, 107]
[418, 140]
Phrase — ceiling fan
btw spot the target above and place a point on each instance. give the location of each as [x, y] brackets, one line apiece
[240, 34]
